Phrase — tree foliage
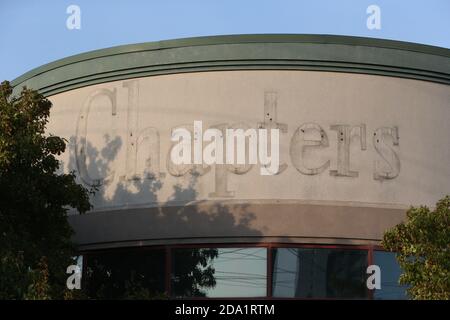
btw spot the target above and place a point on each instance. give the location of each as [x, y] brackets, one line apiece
[35, 243]
[194, 272]
[422, 244]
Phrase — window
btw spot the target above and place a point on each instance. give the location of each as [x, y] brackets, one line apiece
[222, 271]
[219, 272]
[319, 273]
[120, 274]
[390, 274]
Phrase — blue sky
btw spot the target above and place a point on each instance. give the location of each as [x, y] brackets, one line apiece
[34, 32]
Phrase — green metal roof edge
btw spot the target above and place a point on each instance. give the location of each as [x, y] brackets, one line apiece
[407, 48]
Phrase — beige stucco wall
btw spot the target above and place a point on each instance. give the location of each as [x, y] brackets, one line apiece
[419, 110]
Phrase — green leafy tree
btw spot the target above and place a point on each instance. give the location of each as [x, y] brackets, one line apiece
[35, 237]
[422, 244]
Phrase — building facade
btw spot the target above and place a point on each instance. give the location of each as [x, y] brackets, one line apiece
[364, 134]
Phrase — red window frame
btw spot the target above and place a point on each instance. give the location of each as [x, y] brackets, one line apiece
[268, 245]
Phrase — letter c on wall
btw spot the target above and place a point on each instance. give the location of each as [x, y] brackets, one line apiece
[81, 141]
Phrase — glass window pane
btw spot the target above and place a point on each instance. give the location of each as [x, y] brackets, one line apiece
[390, 274]
[219, 272]
[319, 273]
[136, 274]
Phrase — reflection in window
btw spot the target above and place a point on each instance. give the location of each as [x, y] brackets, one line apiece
[319, 273]
[125, 274]
[219, 272]
[390, 274]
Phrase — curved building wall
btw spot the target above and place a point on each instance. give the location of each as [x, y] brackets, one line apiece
[364, 135]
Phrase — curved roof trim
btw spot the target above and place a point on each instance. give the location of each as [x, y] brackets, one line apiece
[243, 52]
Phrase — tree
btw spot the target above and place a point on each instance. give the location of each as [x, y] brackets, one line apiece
[422, 244]
[194, 272]
[35, 236]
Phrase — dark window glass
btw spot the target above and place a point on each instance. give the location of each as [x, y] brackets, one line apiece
[319, 273]
[219, 272]
[390, 274]
[136, 274]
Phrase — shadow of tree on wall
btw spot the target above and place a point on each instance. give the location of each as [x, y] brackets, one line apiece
[132, 273]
